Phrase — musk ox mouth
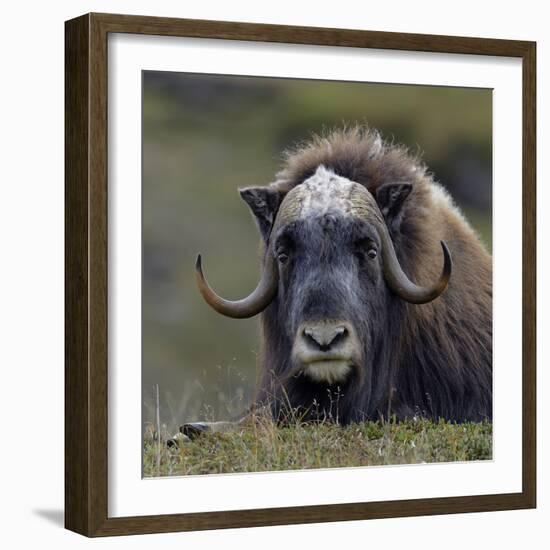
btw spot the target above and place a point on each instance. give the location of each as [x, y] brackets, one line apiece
[330, 371]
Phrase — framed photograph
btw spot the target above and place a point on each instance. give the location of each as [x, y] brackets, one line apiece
[300, 275]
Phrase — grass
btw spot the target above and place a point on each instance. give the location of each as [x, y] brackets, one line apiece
[266, 446]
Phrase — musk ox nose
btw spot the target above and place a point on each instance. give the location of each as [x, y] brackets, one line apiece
[326, 351]
[325, 337]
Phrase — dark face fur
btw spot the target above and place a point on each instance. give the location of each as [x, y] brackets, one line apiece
[330, 290]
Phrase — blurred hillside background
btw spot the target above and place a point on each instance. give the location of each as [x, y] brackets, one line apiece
[206, 135]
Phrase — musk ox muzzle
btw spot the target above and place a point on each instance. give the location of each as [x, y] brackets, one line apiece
[326, 351]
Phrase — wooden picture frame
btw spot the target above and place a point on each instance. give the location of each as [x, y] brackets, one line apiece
[86, 283]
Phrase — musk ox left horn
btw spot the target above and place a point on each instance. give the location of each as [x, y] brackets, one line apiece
[401, 285]
[253, 304]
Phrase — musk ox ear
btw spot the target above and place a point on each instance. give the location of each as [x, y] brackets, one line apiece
[264, 203]
[390, 198]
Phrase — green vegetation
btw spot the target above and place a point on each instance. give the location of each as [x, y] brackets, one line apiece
[265, 446]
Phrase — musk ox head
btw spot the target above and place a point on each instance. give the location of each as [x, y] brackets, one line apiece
[330, 274]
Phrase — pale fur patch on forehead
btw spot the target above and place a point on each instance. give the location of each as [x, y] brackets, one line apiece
[326, 192]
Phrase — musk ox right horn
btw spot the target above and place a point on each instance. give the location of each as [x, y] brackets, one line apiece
[255, 303]
[401, 285]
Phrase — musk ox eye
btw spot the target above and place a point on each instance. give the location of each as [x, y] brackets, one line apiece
[365, 248]
[282, 257]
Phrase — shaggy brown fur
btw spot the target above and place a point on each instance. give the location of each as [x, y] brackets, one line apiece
[442, 361]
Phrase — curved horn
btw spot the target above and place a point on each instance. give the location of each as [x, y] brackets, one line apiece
[255, 303]
[401, 284]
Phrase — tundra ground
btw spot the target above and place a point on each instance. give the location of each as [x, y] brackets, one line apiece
[268, 447]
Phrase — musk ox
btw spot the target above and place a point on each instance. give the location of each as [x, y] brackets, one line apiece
[360, 315]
